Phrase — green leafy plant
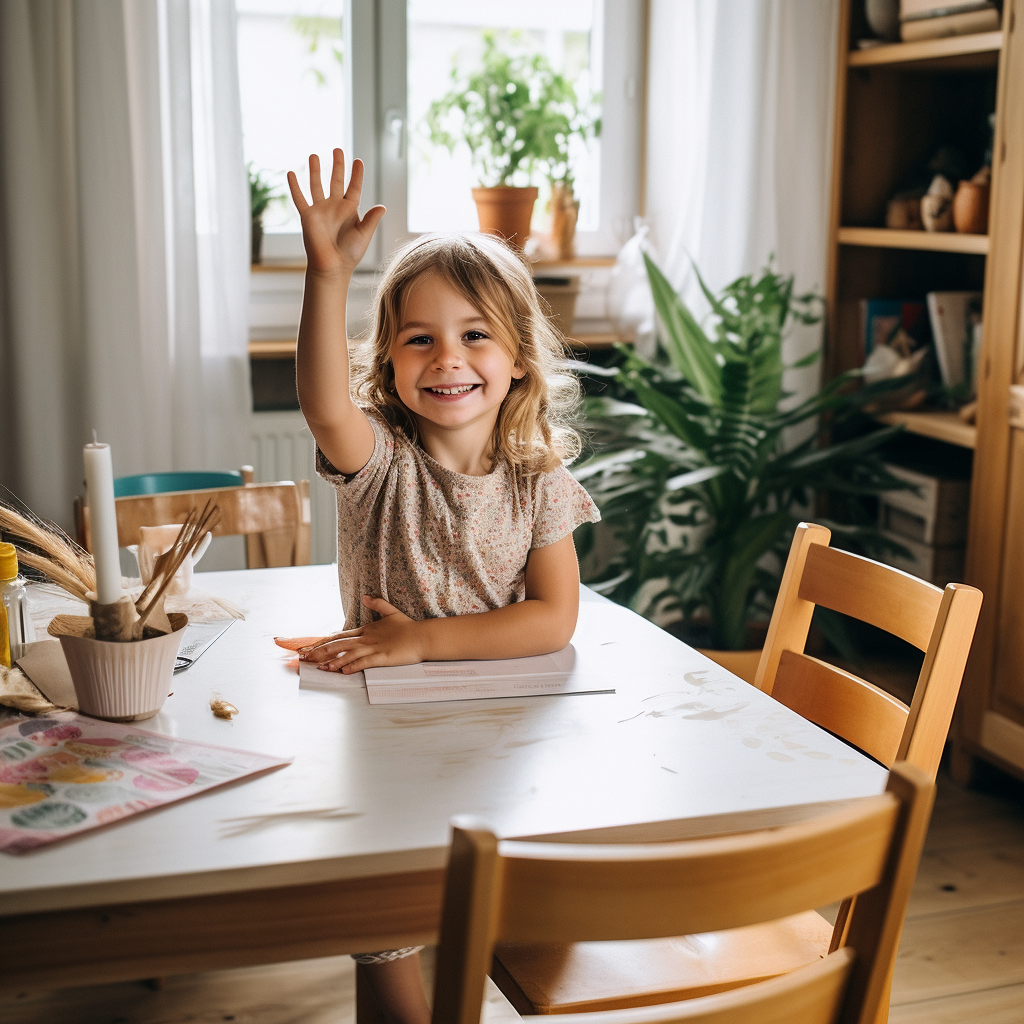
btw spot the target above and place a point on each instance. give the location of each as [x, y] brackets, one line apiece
[691, 473]
[317, 31]
[515, 113]
[261, 193]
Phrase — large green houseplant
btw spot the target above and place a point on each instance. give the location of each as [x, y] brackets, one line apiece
[516, 114]
[691, 473]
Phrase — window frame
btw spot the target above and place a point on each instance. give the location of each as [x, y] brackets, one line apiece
[376, 127]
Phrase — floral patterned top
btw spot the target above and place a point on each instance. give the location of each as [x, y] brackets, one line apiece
[434, 542]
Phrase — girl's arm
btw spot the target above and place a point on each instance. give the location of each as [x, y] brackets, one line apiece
[542, 623]
[335, 238]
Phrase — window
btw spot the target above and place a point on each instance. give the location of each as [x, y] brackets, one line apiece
[361, 73]
[295, 89]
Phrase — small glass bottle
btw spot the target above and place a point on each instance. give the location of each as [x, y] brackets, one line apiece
[15, 625]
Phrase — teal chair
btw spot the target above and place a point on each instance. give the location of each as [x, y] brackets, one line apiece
[161, 483]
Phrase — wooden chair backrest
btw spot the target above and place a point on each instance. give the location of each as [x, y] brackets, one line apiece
[940, 623]
[273, 517]
[536, 892]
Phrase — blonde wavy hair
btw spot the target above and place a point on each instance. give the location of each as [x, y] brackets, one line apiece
[533, 432]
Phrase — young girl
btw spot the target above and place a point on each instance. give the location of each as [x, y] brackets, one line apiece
[446, 450]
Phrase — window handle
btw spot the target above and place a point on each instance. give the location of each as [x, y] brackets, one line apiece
[394, 126]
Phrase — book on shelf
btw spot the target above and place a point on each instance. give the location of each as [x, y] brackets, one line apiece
[927, 19]
[880, 319]
[955, 321]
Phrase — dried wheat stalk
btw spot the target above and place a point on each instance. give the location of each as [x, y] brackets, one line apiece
[58, 556]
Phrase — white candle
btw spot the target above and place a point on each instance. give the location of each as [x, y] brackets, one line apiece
[99, 496]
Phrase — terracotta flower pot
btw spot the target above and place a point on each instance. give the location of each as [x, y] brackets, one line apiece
[970, 208]
[564, 208]
[506, 212]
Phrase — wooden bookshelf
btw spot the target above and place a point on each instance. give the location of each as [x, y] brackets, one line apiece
[942, 426]
[895, 106]
[933, 241]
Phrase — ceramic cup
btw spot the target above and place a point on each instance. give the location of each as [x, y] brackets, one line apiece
[123, 682]
[154, 541]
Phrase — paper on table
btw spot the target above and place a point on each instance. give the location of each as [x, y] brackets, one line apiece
[66, 773]
[565, 671]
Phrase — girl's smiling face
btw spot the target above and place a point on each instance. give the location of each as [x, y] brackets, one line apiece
[451, 371]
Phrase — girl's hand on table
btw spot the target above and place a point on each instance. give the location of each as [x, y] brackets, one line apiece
[394, 639]
[334, 235]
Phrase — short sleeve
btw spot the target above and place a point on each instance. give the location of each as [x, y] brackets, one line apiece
[357, 488]
[561, 504]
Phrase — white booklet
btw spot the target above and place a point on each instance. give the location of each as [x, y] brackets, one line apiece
[565, 671]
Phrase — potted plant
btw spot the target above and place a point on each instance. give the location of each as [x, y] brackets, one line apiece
[692, 445]
[573, 117]
[261, 194]
[510, 113]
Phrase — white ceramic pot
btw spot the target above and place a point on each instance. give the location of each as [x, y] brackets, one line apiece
[123, 682]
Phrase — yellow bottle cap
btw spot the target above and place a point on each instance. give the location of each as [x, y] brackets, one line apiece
[8, 561]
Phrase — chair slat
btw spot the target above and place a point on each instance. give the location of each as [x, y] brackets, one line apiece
[883, 596]
[572, 893]
[253, 509]
[862, 714]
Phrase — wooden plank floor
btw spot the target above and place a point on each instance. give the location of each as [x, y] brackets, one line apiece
[961, 958]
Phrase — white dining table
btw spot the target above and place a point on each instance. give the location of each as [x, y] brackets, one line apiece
[343, 850]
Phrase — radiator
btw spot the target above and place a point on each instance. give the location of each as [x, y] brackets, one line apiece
[281, 448]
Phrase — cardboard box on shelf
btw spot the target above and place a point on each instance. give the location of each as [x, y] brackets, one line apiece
[934, 513]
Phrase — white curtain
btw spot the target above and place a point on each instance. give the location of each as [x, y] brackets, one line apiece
[124, 237]
[739, 129]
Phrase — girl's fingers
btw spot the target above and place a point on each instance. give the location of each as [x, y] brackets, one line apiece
[340, 663]
[370, 661]
[355, 184]
[379, 605]
[330, 649]
[338, 173]
[316, 185]
[297, 197]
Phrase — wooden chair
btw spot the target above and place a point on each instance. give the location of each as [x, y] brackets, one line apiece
[273, 517]
[547, 893]
[564, 979]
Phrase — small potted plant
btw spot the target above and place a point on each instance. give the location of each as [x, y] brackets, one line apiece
[261, 194]
[510, 113]
[572, 117]
[691, 473]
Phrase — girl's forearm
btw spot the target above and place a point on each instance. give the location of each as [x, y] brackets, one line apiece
[321, 356]
[519, 630]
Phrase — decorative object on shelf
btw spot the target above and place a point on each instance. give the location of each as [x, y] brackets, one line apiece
[517, 116]
[903, 356]
[903, 211]
[936, 19]
[880, 319]
[690, 471]
[261, 195]
[937, 205]
[970, 204]
[884, 18]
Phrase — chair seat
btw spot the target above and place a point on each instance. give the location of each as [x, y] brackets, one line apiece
[584, 976]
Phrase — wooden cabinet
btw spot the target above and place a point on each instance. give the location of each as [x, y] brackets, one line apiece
[895, 105]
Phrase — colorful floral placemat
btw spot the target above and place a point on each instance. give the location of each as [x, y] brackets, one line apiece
[66, 773]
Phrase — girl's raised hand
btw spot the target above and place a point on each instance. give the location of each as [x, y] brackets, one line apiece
[333, 233]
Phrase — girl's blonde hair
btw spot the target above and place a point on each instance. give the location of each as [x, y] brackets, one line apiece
[533, 432]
